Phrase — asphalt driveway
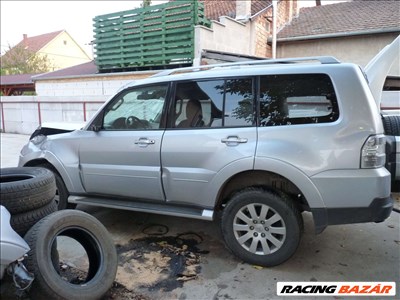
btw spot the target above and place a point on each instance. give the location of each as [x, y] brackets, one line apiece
[151, 249]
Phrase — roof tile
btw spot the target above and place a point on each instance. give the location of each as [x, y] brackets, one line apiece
[355, 16]
[16, 79]
[88, 68]
[35, 43]
[214, 9]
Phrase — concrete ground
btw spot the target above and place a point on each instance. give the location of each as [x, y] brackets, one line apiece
[360, 252]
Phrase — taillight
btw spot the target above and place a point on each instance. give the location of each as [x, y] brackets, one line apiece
[373, 152]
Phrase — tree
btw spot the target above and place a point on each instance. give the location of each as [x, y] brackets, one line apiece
[18, 60]
[145, 3]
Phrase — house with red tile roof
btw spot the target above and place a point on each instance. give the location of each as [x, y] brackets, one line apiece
[353, 31]
[241, 27]
[59, 47]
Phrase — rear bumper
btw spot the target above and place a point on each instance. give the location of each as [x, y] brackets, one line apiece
[378, 211]
[352, 196]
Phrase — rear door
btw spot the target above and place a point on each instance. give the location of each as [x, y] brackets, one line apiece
[194, 152]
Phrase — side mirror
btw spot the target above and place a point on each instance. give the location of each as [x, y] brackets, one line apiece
[95, 128]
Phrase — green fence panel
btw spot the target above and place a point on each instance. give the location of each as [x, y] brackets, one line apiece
[159, 36]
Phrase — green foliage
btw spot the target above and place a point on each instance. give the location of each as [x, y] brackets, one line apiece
[18, 60]
[145, 3]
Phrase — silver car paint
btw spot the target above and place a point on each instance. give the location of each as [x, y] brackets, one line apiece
[195, 164]
[112, 163]
[377, 69]
[192, 159]
[12, 246]
[52, 149]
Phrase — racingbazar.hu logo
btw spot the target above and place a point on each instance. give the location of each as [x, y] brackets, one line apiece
[336, 289]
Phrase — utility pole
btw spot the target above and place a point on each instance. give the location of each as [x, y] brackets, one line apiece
[274, 17]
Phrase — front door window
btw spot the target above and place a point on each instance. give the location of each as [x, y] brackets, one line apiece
[136, 109]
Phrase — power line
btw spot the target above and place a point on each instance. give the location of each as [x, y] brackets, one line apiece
[60, 55]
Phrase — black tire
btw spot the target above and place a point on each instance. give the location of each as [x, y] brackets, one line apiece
[272, 230]
[62, 193]
[22, 222]
[26, 189]
[94, 238]
[391, 124]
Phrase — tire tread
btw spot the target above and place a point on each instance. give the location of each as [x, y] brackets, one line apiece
[30, 194]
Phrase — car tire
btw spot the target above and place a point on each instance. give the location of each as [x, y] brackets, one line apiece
[93, 237]
[62, 193]
[25, 189]
[261, 227]
[22, 222]
[391, 124]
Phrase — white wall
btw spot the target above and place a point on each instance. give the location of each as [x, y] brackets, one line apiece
[62, 100]
[79, 87]
[228, 35]
[355, 49]
[21, 113]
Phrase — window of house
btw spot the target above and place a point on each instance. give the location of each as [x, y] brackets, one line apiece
[136, 109]
[214, 103]
[297, 99]
[268, 26]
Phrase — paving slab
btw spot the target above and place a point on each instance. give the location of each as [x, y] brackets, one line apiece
[150, 249]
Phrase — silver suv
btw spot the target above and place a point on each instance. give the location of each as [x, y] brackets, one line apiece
[258, 142]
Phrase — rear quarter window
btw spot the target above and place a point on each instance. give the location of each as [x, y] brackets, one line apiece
[297, 99]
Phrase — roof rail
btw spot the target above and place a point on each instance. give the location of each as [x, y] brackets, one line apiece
[321, 59]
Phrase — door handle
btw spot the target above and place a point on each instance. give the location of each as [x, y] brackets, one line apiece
[233, 140]
[143, 142]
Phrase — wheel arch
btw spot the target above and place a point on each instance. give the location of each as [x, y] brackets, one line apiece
[57, 169]
[259, 178]
[277, 176]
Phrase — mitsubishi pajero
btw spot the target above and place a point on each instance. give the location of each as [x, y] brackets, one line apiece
[256, 143]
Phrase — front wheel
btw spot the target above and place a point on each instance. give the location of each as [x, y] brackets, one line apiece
[261, 227]
[62, 193]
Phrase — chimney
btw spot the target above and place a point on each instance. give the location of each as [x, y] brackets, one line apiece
[243, 10]
[318, 2]
[25, 39]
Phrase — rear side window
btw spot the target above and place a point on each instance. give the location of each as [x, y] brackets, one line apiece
[297, 99]
[214, 103]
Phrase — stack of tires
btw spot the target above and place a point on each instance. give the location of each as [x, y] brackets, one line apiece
[28, 194]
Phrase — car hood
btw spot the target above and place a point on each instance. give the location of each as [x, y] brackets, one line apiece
[378, 68]
[51, 128]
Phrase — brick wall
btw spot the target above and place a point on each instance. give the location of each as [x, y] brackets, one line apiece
[263, 25]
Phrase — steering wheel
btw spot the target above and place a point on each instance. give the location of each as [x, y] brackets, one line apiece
[134, 122]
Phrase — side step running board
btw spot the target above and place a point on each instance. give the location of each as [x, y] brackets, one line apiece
[147, 207]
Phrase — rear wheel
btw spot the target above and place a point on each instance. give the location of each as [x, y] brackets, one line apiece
[261, 227]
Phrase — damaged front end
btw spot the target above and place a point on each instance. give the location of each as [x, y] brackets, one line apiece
[55, 128]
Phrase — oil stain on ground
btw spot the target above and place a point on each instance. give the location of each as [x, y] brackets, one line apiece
[157, 262]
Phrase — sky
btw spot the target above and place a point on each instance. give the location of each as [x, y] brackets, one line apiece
[39, 17]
